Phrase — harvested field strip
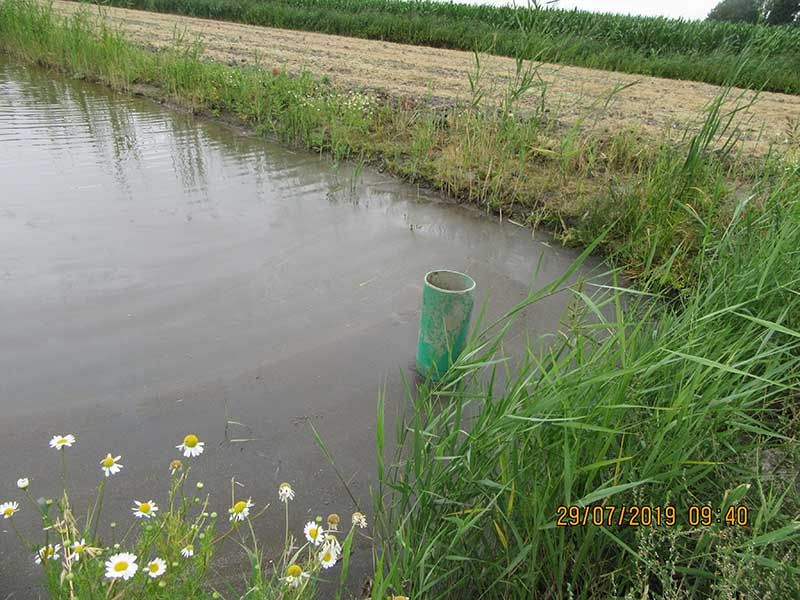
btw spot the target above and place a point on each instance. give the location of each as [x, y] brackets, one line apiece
[698, 51]
[651, 105]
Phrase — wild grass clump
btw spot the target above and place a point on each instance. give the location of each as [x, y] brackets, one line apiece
[686, 407]
[673, 48]
[164, 549]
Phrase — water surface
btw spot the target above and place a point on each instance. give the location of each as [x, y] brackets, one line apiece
[161, 275]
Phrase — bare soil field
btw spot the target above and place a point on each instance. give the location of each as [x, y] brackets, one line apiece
[652, 104]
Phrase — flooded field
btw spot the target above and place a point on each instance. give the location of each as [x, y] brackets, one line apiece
[161, 275]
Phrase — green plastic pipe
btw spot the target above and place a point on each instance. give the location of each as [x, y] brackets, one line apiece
[447, 300]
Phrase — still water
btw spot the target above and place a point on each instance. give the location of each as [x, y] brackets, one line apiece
[162, 275]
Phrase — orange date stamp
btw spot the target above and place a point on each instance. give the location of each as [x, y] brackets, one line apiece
[701, 515]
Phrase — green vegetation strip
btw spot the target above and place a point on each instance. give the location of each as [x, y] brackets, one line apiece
[698, 51]
[646, 399]
[651, 425]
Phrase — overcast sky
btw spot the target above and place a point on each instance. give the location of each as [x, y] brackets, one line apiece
[688, 9]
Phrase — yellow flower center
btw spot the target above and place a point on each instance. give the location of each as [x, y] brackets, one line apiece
[78, 549]
[333, 519]
[294, 571]
[313, 533]
[61, 441]
[153, 567]
[239, 506]
[327, 556]
[9, 511]
[121, 566]
[144, 507]
[108, 462]
[190, 441]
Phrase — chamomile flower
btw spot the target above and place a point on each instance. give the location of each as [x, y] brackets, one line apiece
[121, 566]
[240, 510]
[156, 568]
[330, 540]
[46, 553]
[314, 533]
[295, 576]
[77, 549]
[359, 519]
[187, 551]
[144, 510]
[110, 465]
[333, 522]
[23, 483]
[328, 556]
[175, 466]
[7, 509]
[60, 441]
[191, 446]
[285, 492]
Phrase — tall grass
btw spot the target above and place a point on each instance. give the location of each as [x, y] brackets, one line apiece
[701, 51]
[639, 402]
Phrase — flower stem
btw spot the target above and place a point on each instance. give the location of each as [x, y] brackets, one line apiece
[91, 522]
[64, 470]
[24, 542]
[286, 549]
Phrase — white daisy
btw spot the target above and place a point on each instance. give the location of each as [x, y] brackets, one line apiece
[285, 492]
[240, 510]
[295, 576]
[314, 533]
[188, 551]
[46, 553]
[359, 519]
[7, 509]
[191, 446]
[144, 510]
[78, 549]
[330, 540]
[121, 566]
[110, 465]
[156, 568]
[23, 483]
[328, 556]
[59, 441]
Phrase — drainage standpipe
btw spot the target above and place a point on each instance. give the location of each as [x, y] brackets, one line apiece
[447, 300]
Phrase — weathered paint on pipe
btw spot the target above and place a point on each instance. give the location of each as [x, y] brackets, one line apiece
[447, 300]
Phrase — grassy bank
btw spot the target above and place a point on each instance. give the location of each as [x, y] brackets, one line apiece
[663, 197]
[637, 404]
[699, 51]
